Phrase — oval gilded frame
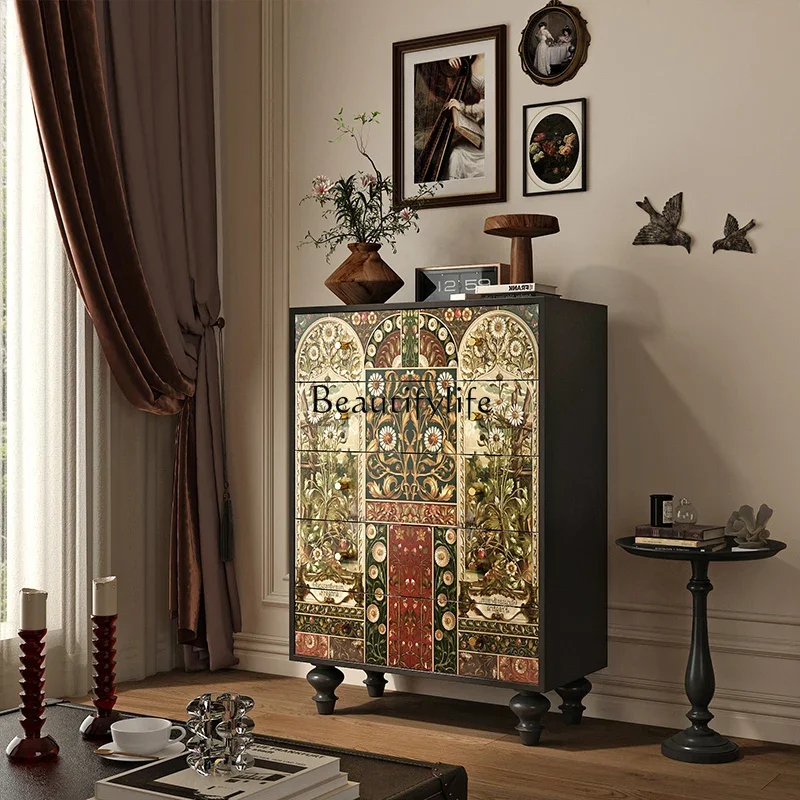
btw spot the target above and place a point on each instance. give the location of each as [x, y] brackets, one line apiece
[582, 42]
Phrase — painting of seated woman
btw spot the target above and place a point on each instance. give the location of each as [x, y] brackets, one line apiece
[554, 44]
[449, 106]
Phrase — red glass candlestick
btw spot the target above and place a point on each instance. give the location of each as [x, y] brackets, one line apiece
[98, 725]
[33, 746]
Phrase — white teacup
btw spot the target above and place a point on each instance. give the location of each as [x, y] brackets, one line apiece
[144, 735]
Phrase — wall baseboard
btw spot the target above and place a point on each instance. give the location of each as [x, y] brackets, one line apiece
[751, 715]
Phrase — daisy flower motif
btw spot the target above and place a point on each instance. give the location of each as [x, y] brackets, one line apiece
[314, 417]
[316, 554]
[515, 415]
[466, 314]
[497, 327]
[313, 353]
[445, 383]
[372, 318]
[328, 332]
[499, 406]
[433, 439]
[329, 436]
[449, 316]
[387, 437]
[496, 439]
[376, 384]
[515, 348]
[511, 568]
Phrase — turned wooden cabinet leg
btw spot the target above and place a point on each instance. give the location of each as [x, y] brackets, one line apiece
[530, 708]
[572, 694]
[375, 683]
[324, 680]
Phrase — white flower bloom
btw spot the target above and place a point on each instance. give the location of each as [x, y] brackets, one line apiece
[445, 383]
[314, 417]
[497, 327]
[515, 415]
[497, 439]
[328, 332]
[387, 437]
[376, 384]
[330, 436]
[433, 439]
[499, 406]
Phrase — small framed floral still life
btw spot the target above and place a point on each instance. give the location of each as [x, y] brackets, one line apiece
[554, 147]
[449, 126]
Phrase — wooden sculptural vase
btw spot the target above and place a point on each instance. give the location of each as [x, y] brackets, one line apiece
[364, 277]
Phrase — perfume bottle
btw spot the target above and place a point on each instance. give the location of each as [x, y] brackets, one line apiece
[685, 513]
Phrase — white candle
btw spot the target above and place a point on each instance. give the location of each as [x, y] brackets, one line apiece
[33, 605]
[104, 597]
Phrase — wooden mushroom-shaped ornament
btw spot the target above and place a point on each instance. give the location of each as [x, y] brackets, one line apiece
[521, 228]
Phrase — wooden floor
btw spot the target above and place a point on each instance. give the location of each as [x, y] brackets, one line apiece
[599, 760]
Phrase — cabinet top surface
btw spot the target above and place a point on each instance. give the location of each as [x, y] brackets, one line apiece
[728, 554]
[511, 300]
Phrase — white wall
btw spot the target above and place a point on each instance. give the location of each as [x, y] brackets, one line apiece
[682, 96]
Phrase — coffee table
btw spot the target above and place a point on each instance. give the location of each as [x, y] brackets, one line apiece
[72, 775]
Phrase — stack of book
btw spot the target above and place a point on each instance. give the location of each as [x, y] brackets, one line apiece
[278, 774]
[507, 291]
[682, 537]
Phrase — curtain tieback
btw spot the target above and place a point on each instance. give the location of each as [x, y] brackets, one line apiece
[226, 520]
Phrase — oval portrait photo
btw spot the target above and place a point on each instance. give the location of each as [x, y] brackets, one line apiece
[554, 144]
[554, 44]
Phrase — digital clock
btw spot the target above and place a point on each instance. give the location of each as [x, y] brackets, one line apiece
[438, 283]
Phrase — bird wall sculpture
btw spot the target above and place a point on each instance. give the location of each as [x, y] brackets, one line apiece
[734, 238]
[663, 228]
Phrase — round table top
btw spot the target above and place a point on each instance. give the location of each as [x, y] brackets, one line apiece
[728, 554]
[526, 225]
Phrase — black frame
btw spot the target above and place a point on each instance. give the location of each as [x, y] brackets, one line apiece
[399, 50]
[576, 600]
[583, 145]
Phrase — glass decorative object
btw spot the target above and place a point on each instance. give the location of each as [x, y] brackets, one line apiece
[221, 733]
[686, 513]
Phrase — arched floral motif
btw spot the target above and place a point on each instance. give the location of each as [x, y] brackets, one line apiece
[499, 343]
[329, 350]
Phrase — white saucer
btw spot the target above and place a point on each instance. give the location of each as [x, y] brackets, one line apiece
[174, 749]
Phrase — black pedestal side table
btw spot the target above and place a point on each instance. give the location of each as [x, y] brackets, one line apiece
[699, 744]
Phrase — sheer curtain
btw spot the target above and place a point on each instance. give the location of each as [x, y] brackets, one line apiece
[88, 478]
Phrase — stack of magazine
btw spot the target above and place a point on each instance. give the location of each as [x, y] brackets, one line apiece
[278, 774]
[507, 291]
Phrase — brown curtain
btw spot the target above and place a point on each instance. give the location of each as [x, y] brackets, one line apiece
[123, 95]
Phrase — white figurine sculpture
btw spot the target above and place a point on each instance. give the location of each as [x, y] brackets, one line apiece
[749, 529]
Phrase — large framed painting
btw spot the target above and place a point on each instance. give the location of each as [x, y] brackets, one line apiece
[554, 147]
[449, 122]
[555, 44]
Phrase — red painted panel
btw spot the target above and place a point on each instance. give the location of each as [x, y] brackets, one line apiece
[311, 644]
[410, 633]
[410, 561]
[519, 670]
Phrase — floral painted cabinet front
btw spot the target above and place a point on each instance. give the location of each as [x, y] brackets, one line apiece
[416, 490]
